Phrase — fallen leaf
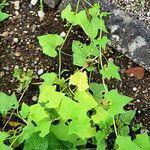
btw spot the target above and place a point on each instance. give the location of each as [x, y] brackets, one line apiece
[137, 72]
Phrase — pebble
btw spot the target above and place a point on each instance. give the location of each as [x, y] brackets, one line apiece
[111, 60]
[62, 34]
[41, 14]
[2, 74]
[134, 89]
[4, 34]
[15, 40]
[34, 98]
[40, 71]
[33, 2]
[17, 5]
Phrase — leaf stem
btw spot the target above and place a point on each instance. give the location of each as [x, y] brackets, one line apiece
[115, 128]
[60, 50]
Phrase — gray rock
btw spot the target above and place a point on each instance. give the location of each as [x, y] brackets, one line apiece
[127, 34]
[52, 3]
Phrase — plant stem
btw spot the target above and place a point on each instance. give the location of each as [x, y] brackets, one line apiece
[14, 109]
[60, 50]
[115, 128]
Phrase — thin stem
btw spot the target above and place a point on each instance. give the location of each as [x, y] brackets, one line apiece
[115, 128]
[60, 50]
[14, 109]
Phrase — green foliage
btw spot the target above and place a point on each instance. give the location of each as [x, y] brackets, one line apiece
[71, 113]
[111, 71]
[49, 43]
[24, 78]
[142, 142]
[3, 16]
[7, 103]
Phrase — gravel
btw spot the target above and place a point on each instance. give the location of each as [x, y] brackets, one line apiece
[138, 8]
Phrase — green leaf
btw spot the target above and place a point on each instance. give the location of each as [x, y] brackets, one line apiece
[3, 136]
[80, 80]
[36, 143]
[102, 42]
[97, 90]
[82, 128]
[143, 141]
[68, 14]
[127, 117]
[25, 109]
[49, 43]
[111, 71]
[68, 109]
[116, 102]
[101, 115]
[100, 140]
[86, 102]
[37, 113]
[61, 131]
[81, 52]
[46, 123]
[7, 103]
[49, 78]
[125, 143]
[124, 131]
[26, 133]
[5, 147]
[3, 16]
[50, 97]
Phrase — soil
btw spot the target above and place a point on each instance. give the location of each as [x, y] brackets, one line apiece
[26, 53]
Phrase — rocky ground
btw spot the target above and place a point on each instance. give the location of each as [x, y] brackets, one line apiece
[19, 47]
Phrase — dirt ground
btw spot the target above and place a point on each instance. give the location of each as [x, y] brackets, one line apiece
[19, 47]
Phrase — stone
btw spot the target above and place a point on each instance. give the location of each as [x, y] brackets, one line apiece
[52, 3]
[137, 72]
[40, 71]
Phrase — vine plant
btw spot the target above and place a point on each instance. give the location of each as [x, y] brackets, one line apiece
[71, 113]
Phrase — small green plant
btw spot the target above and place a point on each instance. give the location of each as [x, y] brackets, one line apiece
[71, 113]
[3, 15]
[24, 78]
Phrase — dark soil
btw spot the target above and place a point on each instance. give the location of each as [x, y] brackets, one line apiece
[27, 54]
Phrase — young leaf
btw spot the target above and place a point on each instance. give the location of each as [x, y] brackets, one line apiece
[116, 102]
[102, 42]
[97, 90]
[49, 43]
[125, 143]
[127, 117]
[82, 51]
[25, 109]
[111, 71]
[124, 131]
[143, 141]
[3, 16]
[68, 14]
[49, 78]
[80, 80]
[7, 103]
